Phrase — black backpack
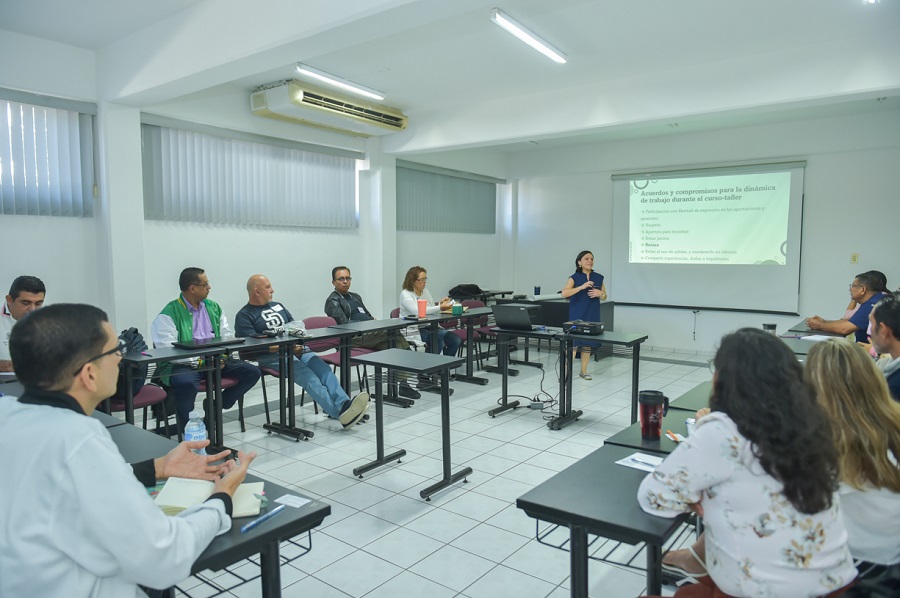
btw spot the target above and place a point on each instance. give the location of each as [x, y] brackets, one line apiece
[134, 343]
[465, 291]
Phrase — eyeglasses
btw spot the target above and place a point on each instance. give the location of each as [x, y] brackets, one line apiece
[203, 284]
[344, 279]
[120, 349]
[856, 286]
[421, 279]
[712, 365]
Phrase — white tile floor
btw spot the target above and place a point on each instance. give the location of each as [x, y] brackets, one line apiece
[469, 541]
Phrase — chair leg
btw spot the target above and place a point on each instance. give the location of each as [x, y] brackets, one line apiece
[241, 413]
[145, 417]
[303, 398]
[265, 401]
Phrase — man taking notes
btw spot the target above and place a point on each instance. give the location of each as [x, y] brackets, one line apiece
[26, 294]
[262, 314]
[75, 519]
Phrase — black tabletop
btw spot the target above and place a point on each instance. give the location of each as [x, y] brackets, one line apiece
[108, 420]
[799, 346]
[630, 437]
[627, 339]
[802, 328]
[600, 495]
[694, 399]
[136, 445]
[410, 361]
[373, 325]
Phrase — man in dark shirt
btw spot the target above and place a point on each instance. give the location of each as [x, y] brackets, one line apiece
[344, 306]
[863, 290]
[262, 314]
[885, 319]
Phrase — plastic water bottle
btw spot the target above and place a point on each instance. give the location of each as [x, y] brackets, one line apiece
[196, 430]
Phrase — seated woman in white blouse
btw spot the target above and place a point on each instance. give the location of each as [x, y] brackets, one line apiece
[762, 469]
[866, 427]
[414, 290]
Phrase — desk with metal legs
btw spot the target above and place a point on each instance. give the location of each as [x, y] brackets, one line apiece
[597, 496]
[415, 363]
[565, 343]
[392, 328]
[231, 547]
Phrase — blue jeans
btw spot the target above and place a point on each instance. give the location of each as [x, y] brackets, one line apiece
[314, 375]
[448, 344]
[185, 382]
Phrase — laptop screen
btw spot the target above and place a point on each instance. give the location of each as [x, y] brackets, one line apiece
[514, 316]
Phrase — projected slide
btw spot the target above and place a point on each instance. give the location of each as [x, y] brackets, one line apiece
[725, 220]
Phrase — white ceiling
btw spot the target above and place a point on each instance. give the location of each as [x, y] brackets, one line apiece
[635, 67]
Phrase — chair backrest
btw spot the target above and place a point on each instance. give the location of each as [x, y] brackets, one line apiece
[395, 313]
[313, 322]
[473, 304]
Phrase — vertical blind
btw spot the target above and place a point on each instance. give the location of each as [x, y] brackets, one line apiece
[46, 160]
[191, 176]
[433, 202]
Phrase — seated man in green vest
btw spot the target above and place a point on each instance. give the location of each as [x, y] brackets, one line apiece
[193, 316]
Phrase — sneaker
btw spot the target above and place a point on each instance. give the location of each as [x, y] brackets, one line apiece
[408, 391]
[354, 410]
[585, 376]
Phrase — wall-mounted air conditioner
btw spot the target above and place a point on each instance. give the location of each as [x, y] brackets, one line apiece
[296, 101]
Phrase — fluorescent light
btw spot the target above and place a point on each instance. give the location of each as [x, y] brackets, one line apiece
[338, 82]
[523, 34]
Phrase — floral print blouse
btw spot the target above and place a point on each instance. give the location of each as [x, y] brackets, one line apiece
[757, 543]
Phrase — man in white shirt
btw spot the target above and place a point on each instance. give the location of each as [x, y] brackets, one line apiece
[76, 521]
[26, 294]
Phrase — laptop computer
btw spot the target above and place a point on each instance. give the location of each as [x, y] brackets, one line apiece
[514, 316]
[216, 341]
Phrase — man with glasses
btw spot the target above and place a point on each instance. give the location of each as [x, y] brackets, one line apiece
[26, 294]
[344, 306]
[885, 319]
[863, 292]
[75, 520]
[193, 316]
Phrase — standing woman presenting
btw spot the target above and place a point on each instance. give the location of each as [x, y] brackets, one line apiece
[585, 290]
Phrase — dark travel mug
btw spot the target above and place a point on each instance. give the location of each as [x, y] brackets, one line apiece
[653, 406]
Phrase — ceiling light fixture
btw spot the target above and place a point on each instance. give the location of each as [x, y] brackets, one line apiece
[338, 82]
[523, 34]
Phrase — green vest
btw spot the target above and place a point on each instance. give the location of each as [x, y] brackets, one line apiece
[184, 324]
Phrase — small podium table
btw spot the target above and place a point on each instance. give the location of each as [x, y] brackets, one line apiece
[415, 363]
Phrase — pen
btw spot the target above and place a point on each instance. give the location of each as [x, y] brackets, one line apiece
[145, 354]
[642, 462]
[671, 435]
[246, 528]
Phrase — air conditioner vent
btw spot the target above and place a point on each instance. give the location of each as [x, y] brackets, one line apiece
[291, 100]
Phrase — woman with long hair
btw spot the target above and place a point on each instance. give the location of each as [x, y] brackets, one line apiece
[585, 290]
[866, 429]
[414, 290]
[762, 469]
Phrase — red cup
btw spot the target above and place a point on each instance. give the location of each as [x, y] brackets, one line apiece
[653, 406]
[422, 305]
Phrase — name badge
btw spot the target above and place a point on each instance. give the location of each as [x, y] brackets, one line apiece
[361, 310]
[277, 307]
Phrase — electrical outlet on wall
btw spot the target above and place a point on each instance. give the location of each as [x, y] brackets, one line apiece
[854, 258]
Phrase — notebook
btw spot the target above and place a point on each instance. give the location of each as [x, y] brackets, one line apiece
[181, 493]
[514, 316]
[216, 341]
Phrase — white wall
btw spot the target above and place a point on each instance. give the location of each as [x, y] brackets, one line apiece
[60, 251]
[851, 205]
